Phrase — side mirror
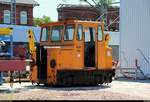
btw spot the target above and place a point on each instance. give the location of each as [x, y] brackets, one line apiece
[107, 37]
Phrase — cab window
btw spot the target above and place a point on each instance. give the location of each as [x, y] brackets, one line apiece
[100, 33]
[69, 32]
[56, 33]
[44, 36]
[89, 34]
[79, 32]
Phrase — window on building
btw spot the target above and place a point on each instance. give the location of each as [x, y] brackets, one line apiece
[56, 33]
[100, 33]
[44, 36]
[23, 17]
[69, 32]
[79, 32]
[7, 16]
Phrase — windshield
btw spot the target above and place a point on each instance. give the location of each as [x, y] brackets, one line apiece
[56, 33]
[44, 36]
[69, 32]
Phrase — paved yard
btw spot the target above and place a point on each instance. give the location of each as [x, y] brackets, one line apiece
[117, 90]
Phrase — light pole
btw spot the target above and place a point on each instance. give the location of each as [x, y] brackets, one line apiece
[13, 22]
[13, 12]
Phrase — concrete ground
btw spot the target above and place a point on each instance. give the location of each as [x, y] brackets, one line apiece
[117, 90]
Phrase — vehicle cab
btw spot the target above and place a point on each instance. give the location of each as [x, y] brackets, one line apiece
[81, 44]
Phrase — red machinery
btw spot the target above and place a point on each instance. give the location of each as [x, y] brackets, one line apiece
[7, 60]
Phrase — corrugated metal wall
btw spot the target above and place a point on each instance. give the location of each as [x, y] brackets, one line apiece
[135, 34]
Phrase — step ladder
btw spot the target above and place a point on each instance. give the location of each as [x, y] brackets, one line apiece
[131, 73]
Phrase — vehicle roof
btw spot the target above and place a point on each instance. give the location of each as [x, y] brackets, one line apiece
[70, 21]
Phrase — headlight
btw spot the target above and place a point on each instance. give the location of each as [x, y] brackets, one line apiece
[53, 63]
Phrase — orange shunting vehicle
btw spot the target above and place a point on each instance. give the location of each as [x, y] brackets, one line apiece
[72, 52]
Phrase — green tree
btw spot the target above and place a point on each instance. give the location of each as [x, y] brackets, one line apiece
[39, 21]
[103, 2]
[103, 5]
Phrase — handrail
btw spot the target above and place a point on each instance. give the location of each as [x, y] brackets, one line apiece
[113, 22]
[140, 51]
[108, 13]
[138, 67]
[70, 5]
[124, 57]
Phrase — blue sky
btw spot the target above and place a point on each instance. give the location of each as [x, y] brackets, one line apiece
[49, 7]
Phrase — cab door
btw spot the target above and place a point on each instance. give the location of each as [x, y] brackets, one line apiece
[79, 47]
[100, 47]
[89, 45]
[104, 53]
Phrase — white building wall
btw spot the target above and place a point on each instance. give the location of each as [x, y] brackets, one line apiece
[135, 34]
[114, 37]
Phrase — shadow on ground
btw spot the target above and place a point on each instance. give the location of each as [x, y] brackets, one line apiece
[70, 88]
